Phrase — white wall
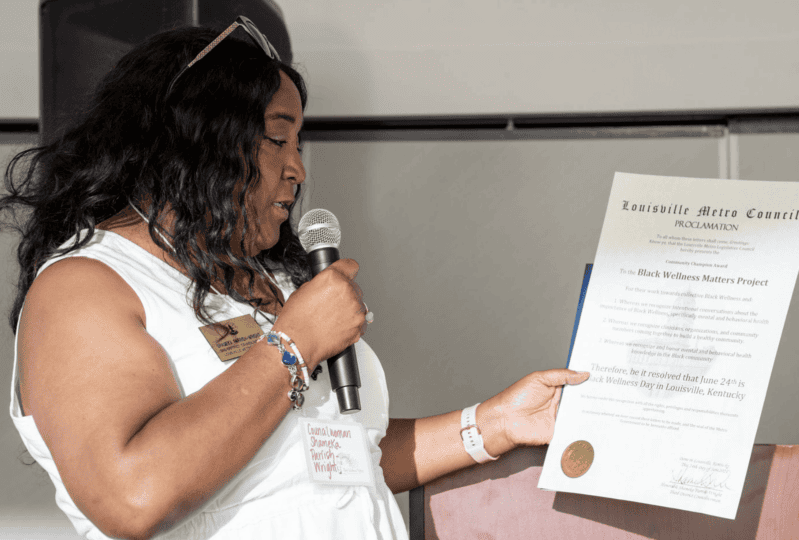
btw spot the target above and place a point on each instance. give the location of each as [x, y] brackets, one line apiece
[19, 59]
[418, 57]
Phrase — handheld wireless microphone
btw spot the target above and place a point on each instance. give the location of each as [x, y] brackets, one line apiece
[320, 236]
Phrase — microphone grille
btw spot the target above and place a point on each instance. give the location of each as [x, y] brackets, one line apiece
[319, 228]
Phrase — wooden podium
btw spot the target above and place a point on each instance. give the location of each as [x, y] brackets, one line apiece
[501, 501]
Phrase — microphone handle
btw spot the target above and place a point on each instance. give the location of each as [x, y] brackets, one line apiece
[345, 378]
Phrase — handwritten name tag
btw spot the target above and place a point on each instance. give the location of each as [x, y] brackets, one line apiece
[336, 453]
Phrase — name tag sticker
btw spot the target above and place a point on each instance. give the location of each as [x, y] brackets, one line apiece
[244, 332]
[336, 453]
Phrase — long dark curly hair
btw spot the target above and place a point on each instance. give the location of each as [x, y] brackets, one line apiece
[193, 151]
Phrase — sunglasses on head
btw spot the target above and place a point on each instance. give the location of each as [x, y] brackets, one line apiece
[252, 31]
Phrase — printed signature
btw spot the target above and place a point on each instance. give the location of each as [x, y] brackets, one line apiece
[705, 480]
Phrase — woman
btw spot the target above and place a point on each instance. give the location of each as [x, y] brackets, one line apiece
[180, 180]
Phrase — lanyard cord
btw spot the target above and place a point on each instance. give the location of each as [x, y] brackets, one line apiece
[225, 297]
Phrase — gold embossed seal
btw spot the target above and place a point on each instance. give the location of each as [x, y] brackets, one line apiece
[577, 458]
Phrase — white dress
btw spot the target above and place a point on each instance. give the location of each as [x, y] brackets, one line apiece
[272, 496]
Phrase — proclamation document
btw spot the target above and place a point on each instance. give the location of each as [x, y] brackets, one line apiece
[680, 327]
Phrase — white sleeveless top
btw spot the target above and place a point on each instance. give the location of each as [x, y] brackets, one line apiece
[271, 497]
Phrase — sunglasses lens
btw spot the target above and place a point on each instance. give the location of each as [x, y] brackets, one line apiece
[258, 37]
[248, 27]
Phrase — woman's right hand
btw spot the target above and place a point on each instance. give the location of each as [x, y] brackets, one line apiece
[325, 315]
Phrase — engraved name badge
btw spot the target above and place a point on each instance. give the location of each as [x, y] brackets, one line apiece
[244, 332]
[336, 453]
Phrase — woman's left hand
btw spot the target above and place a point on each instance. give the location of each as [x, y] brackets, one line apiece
[525, 411]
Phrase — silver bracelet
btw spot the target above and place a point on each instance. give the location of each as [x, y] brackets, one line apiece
[291, 361]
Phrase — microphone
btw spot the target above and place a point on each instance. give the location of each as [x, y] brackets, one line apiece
[320, 236]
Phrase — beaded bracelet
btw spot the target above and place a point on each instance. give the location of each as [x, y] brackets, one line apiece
[298, 384]
[294, 348]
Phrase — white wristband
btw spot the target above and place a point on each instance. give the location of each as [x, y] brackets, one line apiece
[472, 438]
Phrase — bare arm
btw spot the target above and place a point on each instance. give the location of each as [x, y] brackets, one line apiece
[417, 451]
[133, 455]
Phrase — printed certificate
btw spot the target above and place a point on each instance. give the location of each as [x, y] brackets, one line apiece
[687, 300]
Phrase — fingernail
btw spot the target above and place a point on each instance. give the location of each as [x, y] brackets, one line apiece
[577, 378]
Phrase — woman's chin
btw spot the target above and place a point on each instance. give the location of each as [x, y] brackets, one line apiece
[262, 244]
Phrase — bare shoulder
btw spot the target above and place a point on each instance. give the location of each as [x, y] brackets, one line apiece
[90, 374]
[80, 319]
[78, 285]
